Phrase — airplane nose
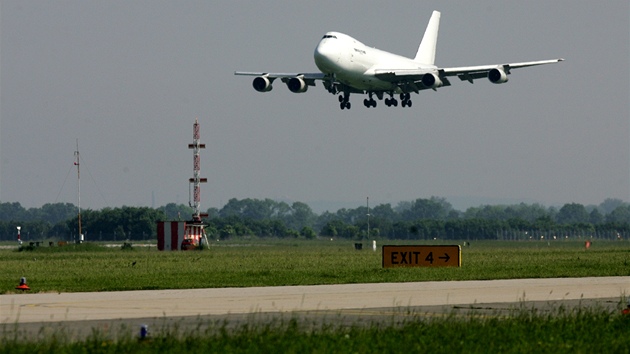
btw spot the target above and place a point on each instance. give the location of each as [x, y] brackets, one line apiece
[325, 56]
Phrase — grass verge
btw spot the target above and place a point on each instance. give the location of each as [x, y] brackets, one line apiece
[524, 331]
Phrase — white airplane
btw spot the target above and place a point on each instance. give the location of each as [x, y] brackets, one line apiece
[349, 66]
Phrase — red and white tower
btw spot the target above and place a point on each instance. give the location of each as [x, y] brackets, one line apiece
[186, 235]
[196, 146]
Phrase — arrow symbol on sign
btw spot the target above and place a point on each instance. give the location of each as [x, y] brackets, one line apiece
[445, 258]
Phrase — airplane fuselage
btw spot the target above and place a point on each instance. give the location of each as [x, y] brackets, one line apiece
[348, 66]
[354, 64]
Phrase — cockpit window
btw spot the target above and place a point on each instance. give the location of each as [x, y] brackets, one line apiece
[329, 36]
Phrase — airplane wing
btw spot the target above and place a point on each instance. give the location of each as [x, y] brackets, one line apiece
[417, 79]
[309, 78]
[306, 76]
[297, 82]
[497, 71]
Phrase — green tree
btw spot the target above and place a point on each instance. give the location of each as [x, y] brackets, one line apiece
[226, 232]
[212, 213]
[332, 228]
[384, 212]
[572, 213]
[308, 233]
[595, 217]
[610, 204]
[621, 215]
[490, 212]
[301, 216]
[54, 213]
[255, 209]
[12, 212]
[544, 223]
[174, 211]
[433, 208]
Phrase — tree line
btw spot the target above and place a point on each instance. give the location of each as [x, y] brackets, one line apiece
[420, 219]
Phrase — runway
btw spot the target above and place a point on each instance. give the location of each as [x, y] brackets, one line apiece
[362, 300]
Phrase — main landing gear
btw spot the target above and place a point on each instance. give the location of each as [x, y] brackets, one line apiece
[405, 100]
[369, 102]
[344, 101]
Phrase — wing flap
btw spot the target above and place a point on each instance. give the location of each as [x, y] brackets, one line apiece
[409, 80]
[395, 75]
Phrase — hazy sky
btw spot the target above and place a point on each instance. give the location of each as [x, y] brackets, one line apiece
[128, 78]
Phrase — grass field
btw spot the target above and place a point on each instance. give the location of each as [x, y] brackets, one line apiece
[92, 267]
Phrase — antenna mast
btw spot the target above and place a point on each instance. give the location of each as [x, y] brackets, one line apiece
[368, 218]
[77, 163]
[196, 146]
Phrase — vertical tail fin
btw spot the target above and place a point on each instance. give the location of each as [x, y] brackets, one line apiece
[426, 50]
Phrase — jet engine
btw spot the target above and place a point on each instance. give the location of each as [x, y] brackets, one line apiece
[497, 76]
[297, 85]
[262, 84]
[431, 80]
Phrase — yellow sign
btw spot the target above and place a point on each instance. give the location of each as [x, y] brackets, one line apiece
[422, 256]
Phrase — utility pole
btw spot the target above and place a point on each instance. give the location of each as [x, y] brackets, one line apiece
[368, 218]
[77, 163]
